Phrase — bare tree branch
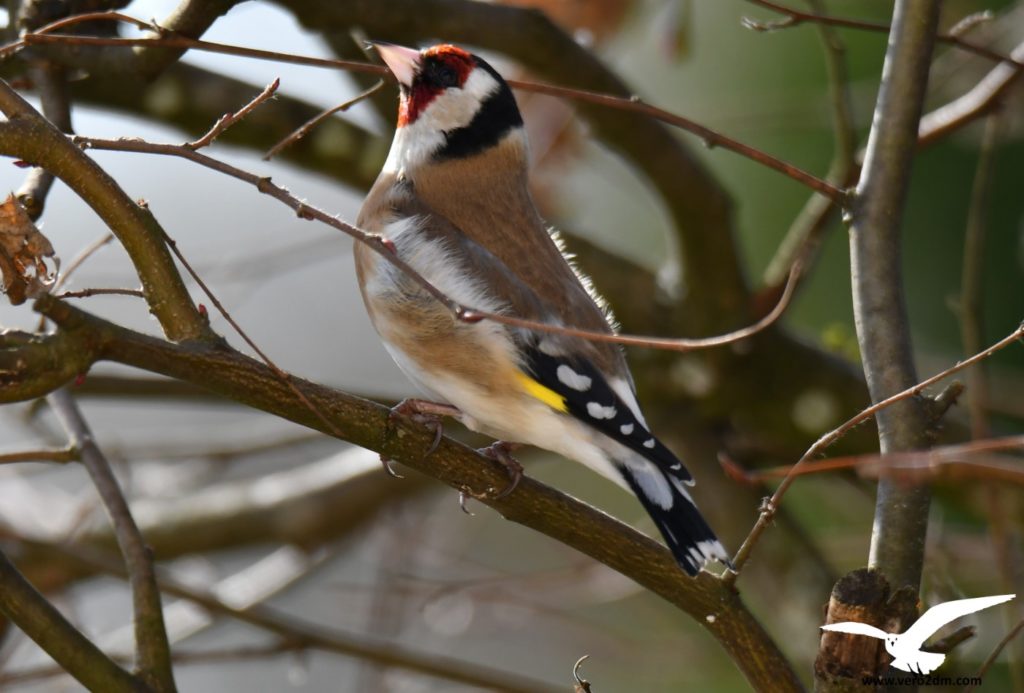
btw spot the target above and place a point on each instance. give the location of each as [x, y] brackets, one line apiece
[301, 633]
[151, 647]
[41, 621]
[982, 98]
[883, 329]
[27, 135]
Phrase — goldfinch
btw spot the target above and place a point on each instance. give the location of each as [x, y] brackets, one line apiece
[452, 201]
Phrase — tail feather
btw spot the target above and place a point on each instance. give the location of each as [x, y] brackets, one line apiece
[667, 501]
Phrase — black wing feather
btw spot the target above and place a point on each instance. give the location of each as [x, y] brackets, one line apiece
[622, 427]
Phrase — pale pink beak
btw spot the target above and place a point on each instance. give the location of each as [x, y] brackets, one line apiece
[403, 62]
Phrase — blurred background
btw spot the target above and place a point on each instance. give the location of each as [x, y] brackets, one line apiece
[325, 536]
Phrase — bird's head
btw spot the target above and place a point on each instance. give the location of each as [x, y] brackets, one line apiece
[453, 105]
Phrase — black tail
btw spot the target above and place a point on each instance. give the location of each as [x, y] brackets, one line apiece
[667, 501]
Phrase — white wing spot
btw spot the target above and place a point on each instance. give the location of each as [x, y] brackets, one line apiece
[570, 378]
[712, 548]
[599, 411]
[626, 429]
[649, 443]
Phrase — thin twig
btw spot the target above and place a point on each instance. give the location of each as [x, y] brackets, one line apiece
[984, 96]
[234, 654]
[805, 233]
[464, 313]
[304, 129]
[61, 455]
[972, 278]
[86, 293]
[832, 436]
[152, 649]
[994, 655]
[52, 85]
[954, 37]
[921, 460]
[710, 137]
[229, 119]
[82, 256]
[972, 302]
[280, 374]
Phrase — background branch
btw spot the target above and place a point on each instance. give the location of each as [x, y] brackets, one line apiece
[41, 621]
[152, 650]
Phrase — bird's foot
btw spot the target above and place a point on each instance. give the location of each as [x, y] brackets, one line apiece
[501, 451]
[423, 412]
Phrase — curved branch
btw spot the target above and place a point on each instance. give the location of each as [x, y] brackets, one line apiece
[41, 621]
[27, 135]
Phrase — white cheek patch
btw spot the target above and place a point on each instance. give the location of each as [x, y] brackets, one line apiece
[452, 109]
[456, 107]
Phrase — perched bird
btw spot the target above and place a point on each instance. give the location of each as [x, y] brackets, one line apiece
[452, 202]
[906, 647]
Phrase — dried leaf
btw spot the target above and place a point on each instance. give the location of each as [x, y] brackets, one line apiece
[23, 254]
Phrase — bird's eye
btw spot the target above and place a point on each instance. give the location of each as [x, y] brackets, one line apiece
[442, 75]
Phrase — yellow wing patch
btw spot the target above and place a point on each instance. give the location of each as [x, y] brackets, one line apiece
[544, 394]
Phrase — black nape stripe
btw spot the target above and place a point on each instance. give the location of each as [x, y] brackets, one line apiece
[497, 116]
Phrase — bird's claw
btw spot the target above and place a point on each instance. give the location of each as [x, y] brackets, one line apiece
[463, 493]
[427, 413]
[386, 463]
[502, 452]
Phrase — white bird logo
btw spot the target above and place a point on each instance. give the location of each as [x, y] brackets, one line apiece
[906, 647]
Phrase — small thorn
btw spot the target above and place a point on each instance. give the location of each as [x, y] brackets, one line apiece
[462, 503]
